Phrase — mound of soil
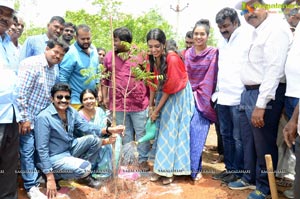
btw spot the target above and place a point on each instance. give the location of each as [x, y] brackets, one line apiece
[141, 188]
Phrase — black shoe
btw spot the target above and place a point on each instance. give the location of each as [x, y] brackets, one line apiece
[89, 181]
[230, 178]
[220, 176]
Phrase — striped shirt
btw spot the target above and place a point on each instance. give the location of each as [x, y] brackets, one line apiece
[36, 79]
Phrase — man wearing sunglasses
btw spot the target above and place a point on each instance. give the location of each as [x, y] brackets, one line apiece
[60, 154]
[37, 75]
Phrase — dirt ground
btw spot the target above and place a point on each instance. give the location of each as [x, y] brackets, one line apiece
[142, 188]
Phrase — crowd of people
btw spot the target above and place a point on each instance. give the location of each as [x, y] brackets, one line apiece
[54, 121]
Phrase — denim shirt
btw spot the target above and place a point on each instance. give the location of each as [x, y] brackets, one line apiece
[52, 140]
[8, 53]
[34, 45]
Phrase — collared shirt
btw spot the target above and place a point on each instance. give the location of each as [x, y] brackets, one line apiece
[8, 53]
[36, 79]
[266, 58]
[8, 80]
[232, 55]
[137, 93]
[292, 69]
[34, 45]
[52, 140]
[73, 62]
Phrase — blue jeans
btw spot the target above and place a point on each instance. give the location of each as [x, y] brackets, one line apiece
[27, 159]
[135, 129]
[80, 160]
[289, 104]
[297, 168]
[230, 130]
[260, 141]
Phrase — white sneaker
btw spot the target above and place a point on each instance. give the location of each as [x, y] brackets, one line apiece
[35, 193]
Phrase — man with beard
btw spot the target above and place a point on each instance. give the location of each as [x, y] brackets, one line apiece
[9, 137]
[35, 45]
[231, 58]
[36, 77]
[263, 98]
[68, 33]
[82, 55]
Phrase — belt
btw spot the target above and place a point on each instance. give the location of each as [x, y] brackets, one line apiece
[252, 87]
[256, 86]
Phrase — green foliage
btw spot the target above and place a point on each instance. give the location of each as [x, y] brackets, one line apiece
[211, 39]
[138, 71]
[90, 73]
[100, 24]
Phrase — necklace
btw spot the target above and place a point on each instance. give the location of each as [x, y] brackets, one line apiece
[65, 124]
[64, 121]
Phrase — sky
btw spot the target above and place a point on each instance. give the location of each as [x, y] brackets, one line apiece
[190, 11]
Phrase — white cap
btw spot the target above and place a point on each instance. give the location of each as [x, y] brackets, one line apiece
[239, 4]
[8, 4]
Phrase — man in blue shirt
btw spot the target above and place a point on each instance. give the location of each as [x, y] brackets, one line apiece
[36, 77]
[36, 45]
[8, 51]
[9, 139]
[61, 155]
[82, 55]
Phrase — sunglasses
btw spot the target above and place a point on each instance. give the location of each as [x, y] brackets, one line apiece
[60, 97]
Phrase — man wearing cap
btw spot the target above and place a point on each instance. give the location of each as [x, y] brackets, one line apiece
[9, 139]
[263, 99]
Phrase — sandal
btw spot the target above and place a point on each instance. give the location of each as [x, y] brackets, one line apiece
[285, 182]
[198, 177]
[154, 177]
[168, 180]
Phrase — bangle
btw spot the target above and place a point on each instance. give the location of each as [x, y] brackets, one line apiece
[107, 131]
[151, 107]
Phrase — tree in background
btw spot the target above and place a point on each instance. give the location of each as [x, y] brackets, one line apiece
[100, 24]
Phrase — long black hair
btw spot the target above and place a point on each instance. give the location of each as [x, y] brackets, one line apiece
[159, 35]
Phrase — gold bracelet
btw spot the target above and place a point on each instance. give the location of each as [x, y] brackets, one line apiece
[151, 108]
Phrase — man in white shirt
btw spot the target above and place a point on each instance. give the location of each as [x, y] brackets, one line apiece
[263, 99]
[292, 94]
[233, 51]
[292, 138]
